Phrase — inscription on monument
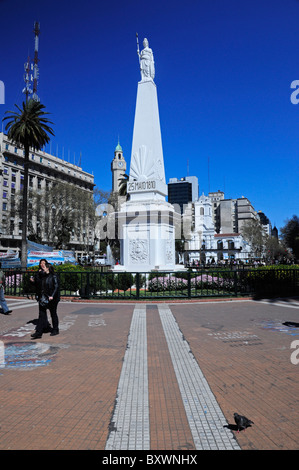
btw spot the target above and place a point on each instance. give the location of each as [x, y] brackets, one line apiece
[141, 186]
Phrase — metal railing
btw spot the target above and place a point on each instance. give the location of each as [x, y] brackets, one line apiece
[95, 284]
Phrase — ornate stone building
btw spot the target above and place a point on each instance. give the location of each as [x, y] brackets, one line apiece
[44, 170]
[202, 242]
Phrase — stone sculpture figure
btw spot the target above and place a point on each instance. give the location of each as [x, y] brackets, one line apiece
[146, 60]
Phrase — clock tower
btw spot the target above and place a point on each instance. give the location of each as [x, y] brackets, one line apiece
[118, 167]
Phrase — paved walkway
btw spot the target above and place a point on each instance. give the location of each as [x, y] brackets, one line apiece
[164, 376]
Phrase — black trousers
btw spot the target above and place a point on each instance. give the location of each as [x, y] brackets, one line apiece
[43, 318]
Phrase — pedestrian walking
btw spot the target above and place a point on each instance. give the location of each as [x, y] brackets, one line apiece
[3, 303]
[48, 296]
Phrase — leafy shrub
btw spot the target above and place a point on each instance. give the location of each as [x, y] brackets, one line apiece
[122, 281]
[273, 282]
[158, 284]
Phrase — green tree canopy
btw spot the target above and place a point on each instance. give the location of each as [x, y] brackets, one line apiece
[254, 234]
[290, 235]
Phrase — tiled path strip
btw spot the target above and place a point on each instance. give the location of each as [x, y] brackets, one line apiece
[204, 415]
[129, 428]
[169, 427]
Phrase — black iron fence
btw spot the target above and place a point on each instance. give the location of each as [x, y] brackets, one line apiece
[94, 284]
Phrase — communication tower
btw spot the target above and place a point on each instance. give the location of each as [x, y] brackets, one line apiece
[35, 61]
[31, 74]
[28, 78]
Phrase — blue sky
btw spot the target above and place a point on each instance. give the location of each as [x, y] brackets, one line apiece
[224, 70]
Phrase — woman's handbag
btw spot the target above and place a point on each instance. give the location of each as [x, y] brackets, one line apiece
[44, 300]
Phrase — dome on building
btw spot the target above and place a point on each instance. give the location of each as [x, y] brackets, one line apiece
[118, 148]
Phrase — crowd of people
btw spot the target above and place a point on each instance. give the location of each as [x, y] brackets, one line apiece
[249, 263]
[46, 285]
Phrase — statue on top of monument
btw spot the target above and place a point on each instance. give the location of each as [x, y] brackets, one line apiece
[146, 60]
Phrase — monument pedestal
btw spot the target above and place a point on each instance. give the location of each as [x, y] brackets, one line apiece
[147, 235]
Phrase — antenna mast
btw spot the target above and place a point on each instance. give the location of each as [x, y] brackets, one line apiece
[35, 61]
[28, 78]
[29, 68]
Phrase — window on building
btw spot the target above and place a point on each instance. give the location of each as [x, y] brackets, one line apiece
[4, 225]
[4, 206]
[5, 183]
[5, 170]
[5, 194]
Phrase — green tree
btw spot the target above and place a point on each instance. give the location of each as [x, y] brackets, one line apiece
[28, 128]
[274, 250]
[290, 235]
[100, 196]
[255, 235]
[64, 211]
[123, 185]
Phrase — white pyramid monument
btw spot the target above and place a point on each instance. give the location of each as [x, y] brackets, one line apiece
[146, 222]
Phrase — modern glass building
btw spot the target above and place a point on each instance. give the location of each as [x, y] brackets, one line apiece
[182, 191]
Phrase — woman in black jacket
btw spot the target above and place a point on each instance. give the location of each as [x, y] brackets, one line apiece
[48, 296]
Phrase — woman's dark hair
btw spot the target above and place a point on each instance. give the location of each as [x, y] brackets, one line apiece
[51, 268]
[48, 265]
[43, 259]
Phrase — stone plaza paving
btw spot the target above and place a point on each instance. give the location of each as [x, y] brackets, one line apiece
[151, 376]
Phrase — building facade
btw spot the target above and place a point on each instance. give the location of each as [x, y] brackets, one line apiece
[44, 171]
[267, 226]
[230, 215]
[203, 244]
[182, 191]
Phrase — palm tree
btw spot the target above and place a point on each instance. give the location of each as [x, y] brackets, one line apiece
[122, 191]
[28, 128]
